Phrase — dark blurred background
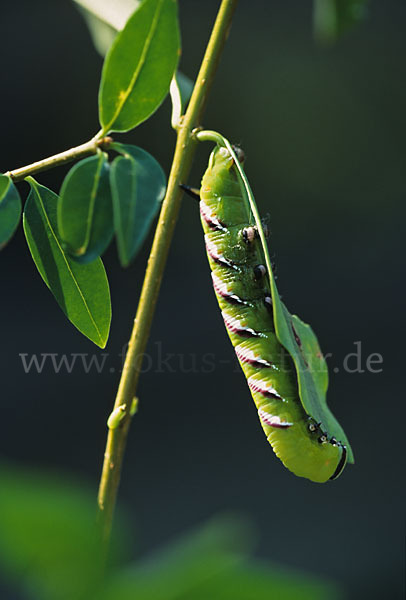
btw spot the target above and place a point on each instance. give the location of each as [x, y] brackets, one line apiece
[324, 134]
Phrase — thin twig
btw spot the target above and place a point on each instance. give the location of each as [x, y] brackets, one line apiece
[182, 160]
[86, 149]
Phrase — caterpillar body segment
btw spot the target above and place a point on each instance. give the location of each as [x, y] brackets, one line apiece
[242, 288]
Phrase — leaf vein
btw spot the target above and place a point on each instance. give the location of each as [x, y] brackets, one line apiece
[68, 265]
[124, 94]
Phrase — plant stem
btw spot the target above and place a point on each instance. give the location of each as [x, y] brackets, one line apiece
[86, 149]
[182, 160]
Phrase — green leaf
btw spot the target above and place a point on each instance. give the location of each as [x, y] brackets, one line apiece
[48, 543]
[85, 212]
[212, 564]
[331, 18]
[81, 290]
[137, 186]
[179, 569]
[300, 341]
[139, 67]
[262, 581]
[181, 89]
[10, 209]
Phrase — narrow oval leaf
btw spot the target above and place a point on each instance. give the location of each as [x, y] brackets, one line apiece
[10, 209]
[300, 341]
[138, 186]
[50, 544]
[176, 571]
[48, 540]
[81, 290]
[213, 563]
[85, 212]
[139, 67]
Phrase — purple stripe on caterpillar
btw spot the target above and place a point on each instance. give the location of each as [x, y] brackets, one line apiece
[273, 420]
[263, 387]
[235, 326]
[216, 256]
[249, 356]
[210, 218]
[222, 290]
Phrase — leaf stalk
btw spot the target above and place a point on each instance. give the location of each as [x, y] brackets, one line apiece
[93, 146]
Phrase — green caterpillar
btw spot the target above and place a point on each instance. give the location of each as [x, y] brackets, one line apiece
[288, 380]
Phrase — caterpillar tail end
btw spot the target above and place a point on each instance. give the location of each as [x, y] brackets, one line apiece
[318, 464]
